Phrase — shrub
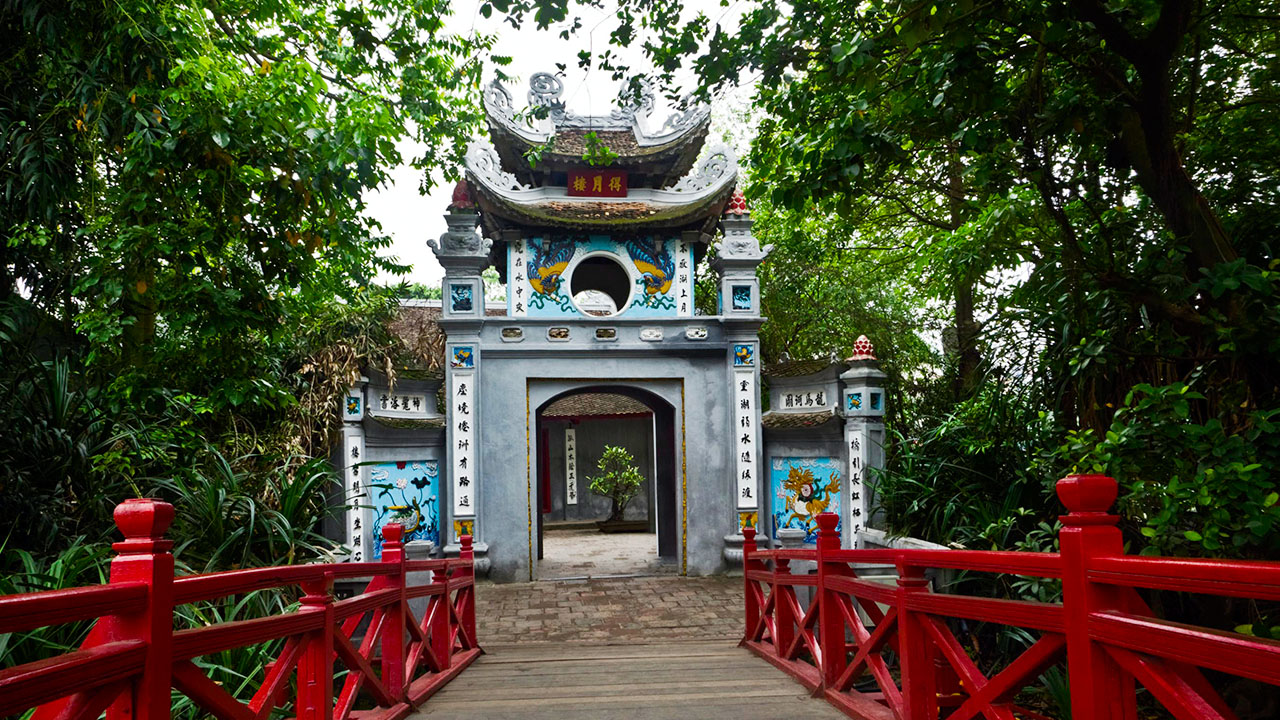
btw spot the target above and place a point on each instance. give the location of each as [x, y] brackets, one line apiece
[619, 479]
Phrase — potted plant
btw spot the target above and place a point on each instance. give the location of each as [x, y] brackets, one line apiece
[618, 479]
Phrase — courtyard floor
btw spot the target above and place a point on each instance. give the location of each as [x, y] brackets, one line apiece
[617, 611]
[588, 553]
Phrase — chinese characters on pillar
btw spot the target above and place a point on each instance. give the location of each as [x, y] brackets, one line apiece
[356, 495]
[517, 293]
[682, 288]
[571, 466]
[744, 427]
[856, 442]
[462, 395]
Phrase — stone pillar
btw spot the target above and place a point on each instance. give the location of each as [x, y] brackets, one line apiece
[793, 539]
[354, 493]
[739, 256]
[464, 254]
[862, 403]
[418, 550]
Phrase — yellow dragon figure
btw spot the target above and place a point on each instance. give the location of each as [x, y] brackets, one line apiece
[656, 267]
[806, 498]
[550, 259]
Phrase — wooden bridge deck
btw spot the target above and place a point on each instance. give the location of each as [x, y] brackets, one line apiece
[639, 682]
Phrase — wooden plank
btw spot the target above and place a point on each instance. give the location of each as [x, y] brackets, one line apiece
[479, 708]
[525, 679]
[754, 709]
[625, 688]
[568, 682]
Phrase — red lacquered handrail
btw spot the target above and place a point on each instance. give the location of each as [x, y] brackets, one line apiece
[56, 607]
[132, 657]
[1103, 630]
[1233, 578]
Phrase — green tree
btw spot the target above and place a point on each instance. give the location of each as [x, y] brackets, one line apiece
[616, 478]
[1090, 187]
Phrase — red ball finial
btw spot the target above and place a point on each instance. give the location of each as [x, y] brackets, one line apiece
[737, 204]
[862, 349]
[461, 197]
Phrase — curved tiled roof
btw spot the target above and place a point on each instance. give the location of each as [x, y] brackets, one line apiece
[798, 368]
[417, 327]
[595, 404]
[778, 420]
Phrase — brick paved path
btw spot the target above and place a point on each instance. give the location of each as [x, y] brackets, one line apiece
[612, 611]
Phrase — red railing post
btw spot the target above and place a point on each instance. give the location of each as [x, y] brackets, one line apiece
[393, 654]
[831, 630]
[468, 609]
[784, 620]
[143, 556]
[752, 607]
[1100, 690]
[315, 666]
[919, 682]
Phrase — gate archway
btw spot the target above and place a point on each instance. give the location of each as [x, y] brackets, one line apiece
[662, 496]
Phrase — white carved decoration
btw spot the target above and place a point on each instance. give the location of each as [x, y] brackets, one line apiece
[718, 165]
[483, 162]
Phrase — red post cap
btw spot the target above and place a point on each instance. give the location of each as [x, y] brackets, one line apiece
[1087, 493]
[465, 541]
[143, 518]
[749, 532]
[392, 532]
[827, 522]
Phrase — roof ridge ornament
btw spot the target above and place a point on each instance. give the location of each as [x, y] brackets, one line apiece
[862, 349]
[717, 164]
[482, 159]
[546, 90]
[737, 203]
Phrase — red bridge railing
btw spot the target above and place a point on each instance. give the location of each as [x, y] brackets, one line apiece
[132, 656]
[883, 652]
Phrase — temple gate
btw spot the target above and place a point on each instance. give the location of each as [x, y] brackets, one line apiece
[600, 265]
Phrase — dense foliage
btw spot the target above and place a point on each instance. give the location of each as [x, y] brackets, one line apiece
[185, 258]
[186, 250]
[1078, 197]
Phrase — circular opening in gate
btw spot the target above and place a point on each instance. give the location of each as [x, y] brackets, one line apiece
[600, 286]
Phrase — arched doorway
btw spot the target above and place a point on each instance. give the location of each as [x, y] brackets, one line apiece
[572, 430]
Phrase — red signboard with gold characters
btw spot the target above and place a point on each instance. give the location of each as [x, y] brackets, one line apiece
[597, 183]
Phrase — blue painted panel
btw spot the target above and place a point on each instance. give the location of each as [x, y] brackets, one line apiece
[802, 488]
[662, 279]
[406, 492]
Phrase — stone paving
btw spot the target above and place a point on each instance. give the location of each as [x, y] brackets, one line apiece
[581, 553]
[618, 611]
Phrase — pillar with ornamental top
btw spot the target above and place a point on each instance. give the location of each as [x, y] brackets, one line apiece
[863, 402]
[740, 254]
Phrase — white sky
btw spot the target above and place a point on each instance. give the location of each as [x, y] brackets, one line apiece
[410, 218]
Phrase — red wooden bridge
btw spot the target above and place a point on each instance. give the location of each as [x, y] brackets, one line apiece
[870, 650]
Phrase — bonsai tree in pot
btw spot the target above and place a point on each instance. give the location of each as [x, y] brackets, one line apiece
[618, 479]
